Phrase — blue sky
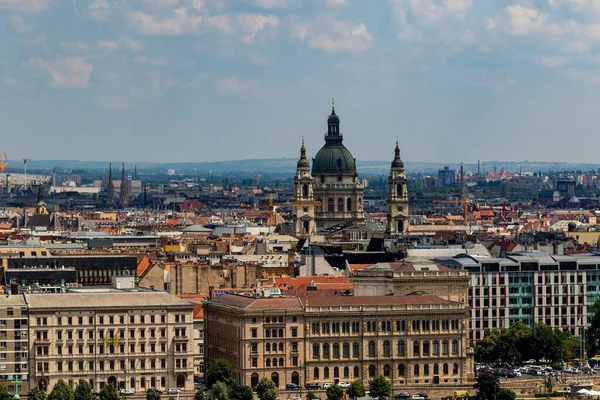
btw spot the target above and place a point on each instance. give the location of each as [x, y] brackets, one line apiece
[207, 80]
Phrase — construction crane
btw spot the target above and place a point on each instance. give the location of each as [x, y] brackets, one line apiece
[271, 207]
[3, 163]
[465, 204]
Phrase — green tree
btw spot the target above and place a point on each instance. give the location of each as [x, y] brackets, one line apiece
[334, 392]
[506, 394]
[4, 393]
[310, 395]
[149, 396]
[61, 391]
[218, 391]
[199, 394]
[487, 349]
[83, 391]
[546, 343]
[514, 343]
[266, 389]
[487, 385]
[356, 389]
[219, 371]
[241, 393]
[109, 392]
[380, 388]
[548, 384]
[593, 332]
[36, 394]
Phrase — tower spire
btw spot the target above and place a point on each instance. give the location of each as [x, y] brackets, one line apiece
[333, 105]
[110, 189]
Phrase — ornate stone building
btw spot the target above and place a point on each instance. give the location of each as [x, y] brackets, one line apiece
[415, 340]
[397, 218]
[331, 195]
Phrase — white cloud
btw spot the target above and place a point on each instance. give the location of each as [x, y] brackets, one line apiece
[108, 45]
[336, 3]
[179, 23]
[252, 24]
[141, 59]
[25, 5]
[222, 23]
[74, 46]
[577, 46]
[552, 61]
[99, 10]
[131, 43]
[524, 20]
[234, 86]
[39, 39]
[298, 29]
[20, 26]
[457, 6]
[66, 72]
[273, 3]
[330, 35]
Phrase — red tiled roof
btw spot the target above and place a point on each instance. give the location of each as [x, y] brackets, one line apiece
[359, 266]
[142, 266]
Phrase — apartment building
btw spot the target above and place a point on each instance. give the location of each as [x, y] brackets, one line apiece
[413, 340]
[134, 340]
[529, 286]
[14, 355]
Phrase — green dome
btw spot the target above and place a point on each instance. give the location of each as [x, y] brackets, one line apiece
[334, 159]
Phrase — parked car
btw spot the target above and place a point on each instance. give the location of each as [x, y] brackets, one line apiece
[173, 391]
[312, 386]
[343, 385]
[295, 398]
[292, 386]
[154, 390]
[423, 395]
[125, 392]
[326, 385]
[403, 395]
[417, 397]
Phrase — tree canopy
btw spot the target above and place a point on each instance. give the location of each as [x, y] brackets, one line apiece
[487, 385]
[219, 371]
[356, 389]
[218, 391]
[334, 392]
[4, 393]
[593, 331]
[61, 391]
[380, 388]
[109, 392]
[241, 393]
[266, 389]
[83, 391]
[36, 394]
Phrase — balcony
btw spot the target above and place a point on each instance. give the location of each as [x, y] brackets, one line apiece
[42, 340]
[181, 338]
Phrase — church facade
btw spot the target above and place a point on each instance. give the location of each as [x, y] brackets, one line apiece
[330, 194]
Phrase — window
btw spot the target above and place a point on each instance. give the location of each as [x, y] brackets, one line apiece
[401, 369]
[416, 370]
[436, 369]
[454, 346]
[372, 348]
[326, 350]
[426, 369]
[436, 347]
[254, 332]
[445, 369]
[445, 347]
[346, 349]
[455, 369]
[294, 332]
[372, 371]
[326, 373]
[315, 351]
[425, 347]
[387, 348]
[336, 350]
[416, 348]
[355, 349]
[401, 348]
[316, 373]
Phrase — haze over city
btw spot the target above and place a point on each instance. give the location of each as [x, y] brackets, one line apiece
[193, 80]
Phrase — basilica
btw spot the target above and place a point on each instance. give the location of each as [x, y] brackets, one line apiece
[330, 194]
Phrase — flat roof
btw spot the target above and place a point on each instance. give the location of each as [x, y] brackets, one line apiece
[104, 300]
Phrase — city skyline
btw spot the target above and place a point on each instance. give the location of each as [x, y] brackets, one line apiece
[230, 80]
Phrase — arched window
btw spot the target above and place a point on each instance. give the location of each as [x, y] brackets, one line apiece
[330, 205]
[281, 346]
[387, 371]
[315, 327]
[455, 369]
[445, 369]
[340, 204]
[346, 349]
[275, 378]
[372, 371]
[254, 378]
[346, 372]
[281, 361]
[280, 332]
[401, 348]
[445, 347]
[305, 190]
[355, 349]
[387, 348]
[274, 362]
[316, 373]
[399, 189]
[436, 369]
[348, 204]
[336, 372]
[274, 346]
[268, 347]
[326, 373]
[267, 362]
[356, 372]
[454, 346]
[267, 333]
[295, 378]
[416, 370]
[316, 353]
[416, 348]
[426, 369]
[326, 350]
[425, 347]
[336, 350]
[372, 348]
[436, 347]
[401, 369]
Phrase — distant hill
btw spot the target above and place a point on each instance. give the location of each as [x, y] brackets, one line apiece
[288, 165]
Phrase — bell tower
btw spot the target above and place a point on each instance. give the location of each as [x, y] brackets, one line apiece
[397, 218]
[304, 207]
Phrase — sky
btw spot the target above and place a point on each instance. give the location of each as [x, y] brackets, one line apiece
[210, 80]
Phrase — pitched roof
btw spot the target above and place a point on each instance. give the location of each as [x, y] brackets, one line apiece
[246, 302]
[142, 266]
[318, 299]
